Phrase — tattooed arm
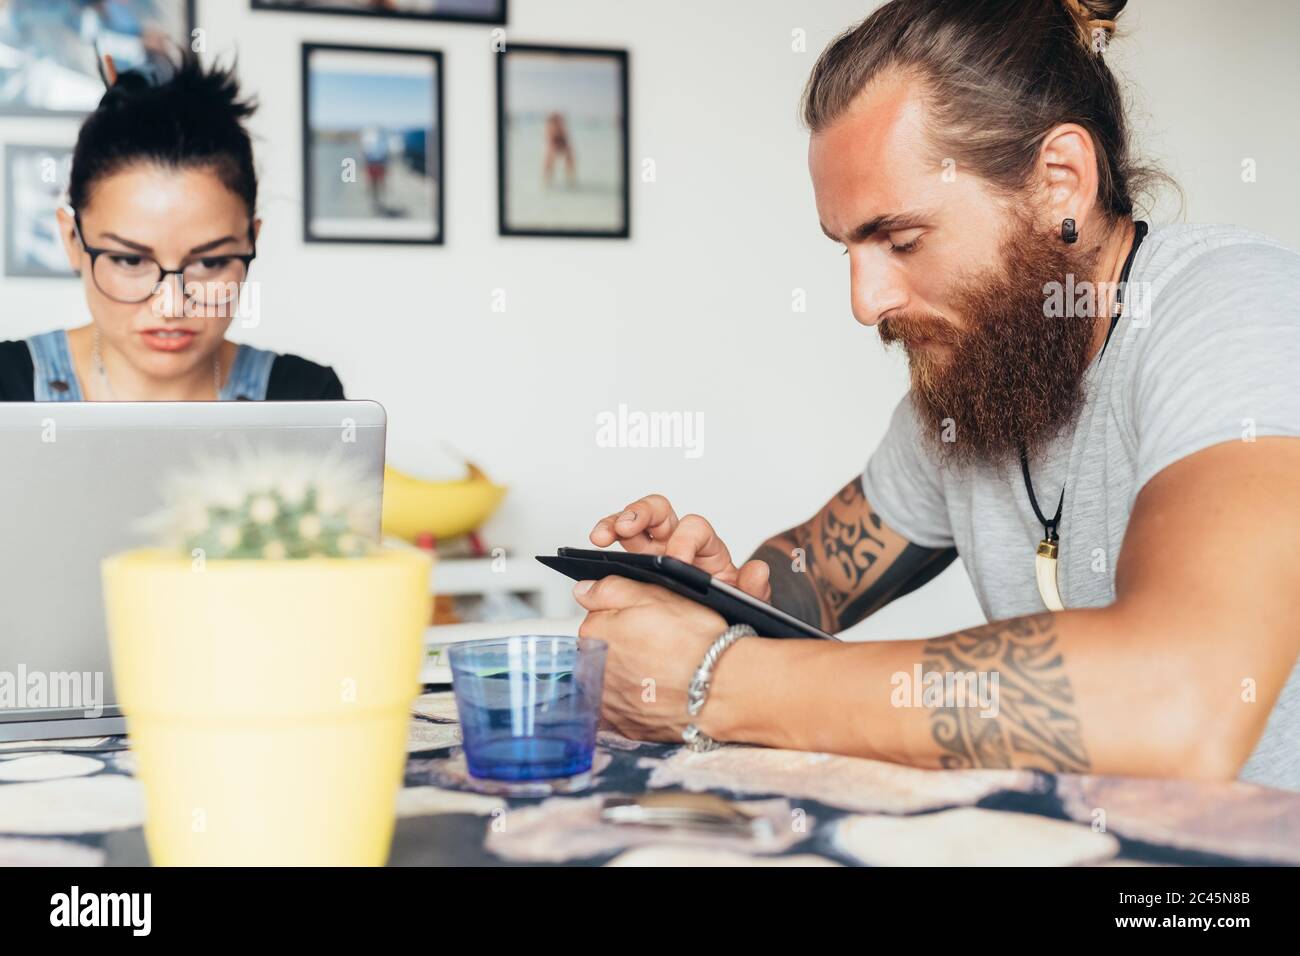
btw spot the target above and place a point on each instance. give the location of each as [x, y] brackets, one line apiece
[898, 701]
[845, 563]
[832, 571]
[1036, 724]
[1176, 678]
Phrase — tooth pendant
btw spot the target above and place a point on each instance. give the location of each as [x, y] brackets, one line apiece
[1045, 572]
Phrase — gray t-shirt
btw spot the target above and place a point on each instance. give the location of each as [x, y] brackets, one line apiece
[1208, 352]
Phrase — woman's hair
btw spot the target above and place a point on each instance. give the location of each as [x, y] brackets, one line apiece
[174, 114]
[998, 76]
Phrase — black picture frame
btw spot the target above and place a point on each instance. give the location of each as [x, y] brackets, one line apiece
[437, 126]
[622, 57]
[188, 8]
[13, 268]
[272, 6]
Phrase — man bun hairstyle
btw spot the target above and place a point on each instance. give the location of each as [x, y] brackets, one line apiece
[1095, 17]
[998, 76]
[172, 113]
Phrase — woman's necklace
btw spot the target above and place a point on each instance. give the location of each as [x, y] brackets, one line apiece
[97, 357]
[1045, 558]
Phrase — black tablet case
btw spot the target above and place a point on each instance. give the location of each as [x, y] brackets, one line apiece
[677, 576]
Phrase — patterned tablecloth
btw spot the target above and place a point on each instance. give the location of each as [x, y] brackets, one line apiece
[80, 805]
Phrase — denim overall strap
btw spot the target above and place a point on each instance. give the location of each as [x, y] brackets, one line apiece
[249, 375]
[54, 377]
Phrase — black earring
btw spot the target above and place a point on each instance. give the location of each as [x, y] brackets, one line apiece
[1068, 232]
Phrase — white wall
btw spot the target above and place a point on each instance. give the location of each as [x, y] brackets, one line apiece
[694, 313]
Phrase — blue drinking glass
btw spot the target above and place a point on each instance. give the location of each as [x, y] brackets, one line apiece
[529, 705]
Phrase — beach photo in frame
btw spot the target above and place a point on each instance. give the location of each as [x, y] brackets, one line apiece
[562, 142]
[48, 62]
[36, 179]
[462, 11]
[372, 144]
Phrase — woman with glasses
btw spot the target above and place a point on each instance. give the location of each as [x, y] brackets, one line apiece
[161, 226]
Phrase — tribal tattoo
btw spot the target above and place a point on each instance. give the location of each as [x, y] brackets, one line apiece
[844, 564]
[1036, 725]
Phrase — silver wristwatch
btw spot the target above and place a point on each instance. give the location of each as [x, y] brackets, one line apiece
[698, 691]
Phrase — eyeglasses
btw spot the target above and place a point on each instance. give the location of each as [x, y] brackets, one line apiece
[210, 283]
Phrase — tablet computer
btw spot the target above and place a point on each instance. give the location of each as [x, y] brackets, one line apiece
[735, 606]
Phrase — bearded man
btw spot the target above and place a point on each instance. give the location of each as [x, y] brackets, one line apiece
[1103, 423]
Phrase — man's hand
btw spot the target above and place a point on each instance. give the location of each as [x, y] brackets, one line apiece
[656, 640]
[649, 525]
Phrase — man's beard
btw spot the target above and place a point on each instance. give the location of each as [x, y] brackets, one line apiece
[1011, 377]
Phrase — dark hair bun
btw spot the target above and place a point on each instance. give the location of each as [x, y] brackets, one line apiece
[1095, 15]
[1105, 9]
[175, 113]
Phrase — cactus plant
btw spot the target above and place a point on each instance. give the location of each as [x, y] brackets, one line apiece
[269, 505]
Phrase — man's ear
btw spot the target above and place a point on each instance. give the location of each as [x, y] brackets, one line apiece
[257, 229]
[1067, 169]
[68, 233]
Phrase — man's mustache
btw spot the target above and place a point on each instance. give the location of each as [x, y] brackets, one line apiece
[910, 329]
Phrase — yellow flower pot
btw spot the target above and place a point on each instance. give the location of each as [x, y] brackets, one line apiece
[268, 702]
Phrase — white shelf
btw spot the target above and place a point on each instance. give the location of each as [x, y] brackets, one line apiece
[516, 574]
[477, 575]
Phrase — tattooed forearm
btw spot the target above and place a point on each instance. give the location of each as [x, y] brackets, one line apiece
[843, 565]
[912, 568]
[1034, 723]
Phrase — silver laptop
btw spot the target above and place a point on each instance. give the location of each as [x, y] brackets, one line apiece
[75, 480]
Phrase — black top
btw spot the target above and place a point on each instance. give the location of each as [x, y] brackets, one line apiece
[293, 379]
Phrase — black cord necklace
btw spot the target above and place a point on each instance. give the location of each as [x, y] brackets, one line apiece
[1049, 548]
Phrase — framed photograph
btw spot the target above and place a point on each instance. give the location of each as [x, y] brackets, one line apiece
[464, 11]
[372, 144]
[48, 61]
[36, 178]
[562, 142]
